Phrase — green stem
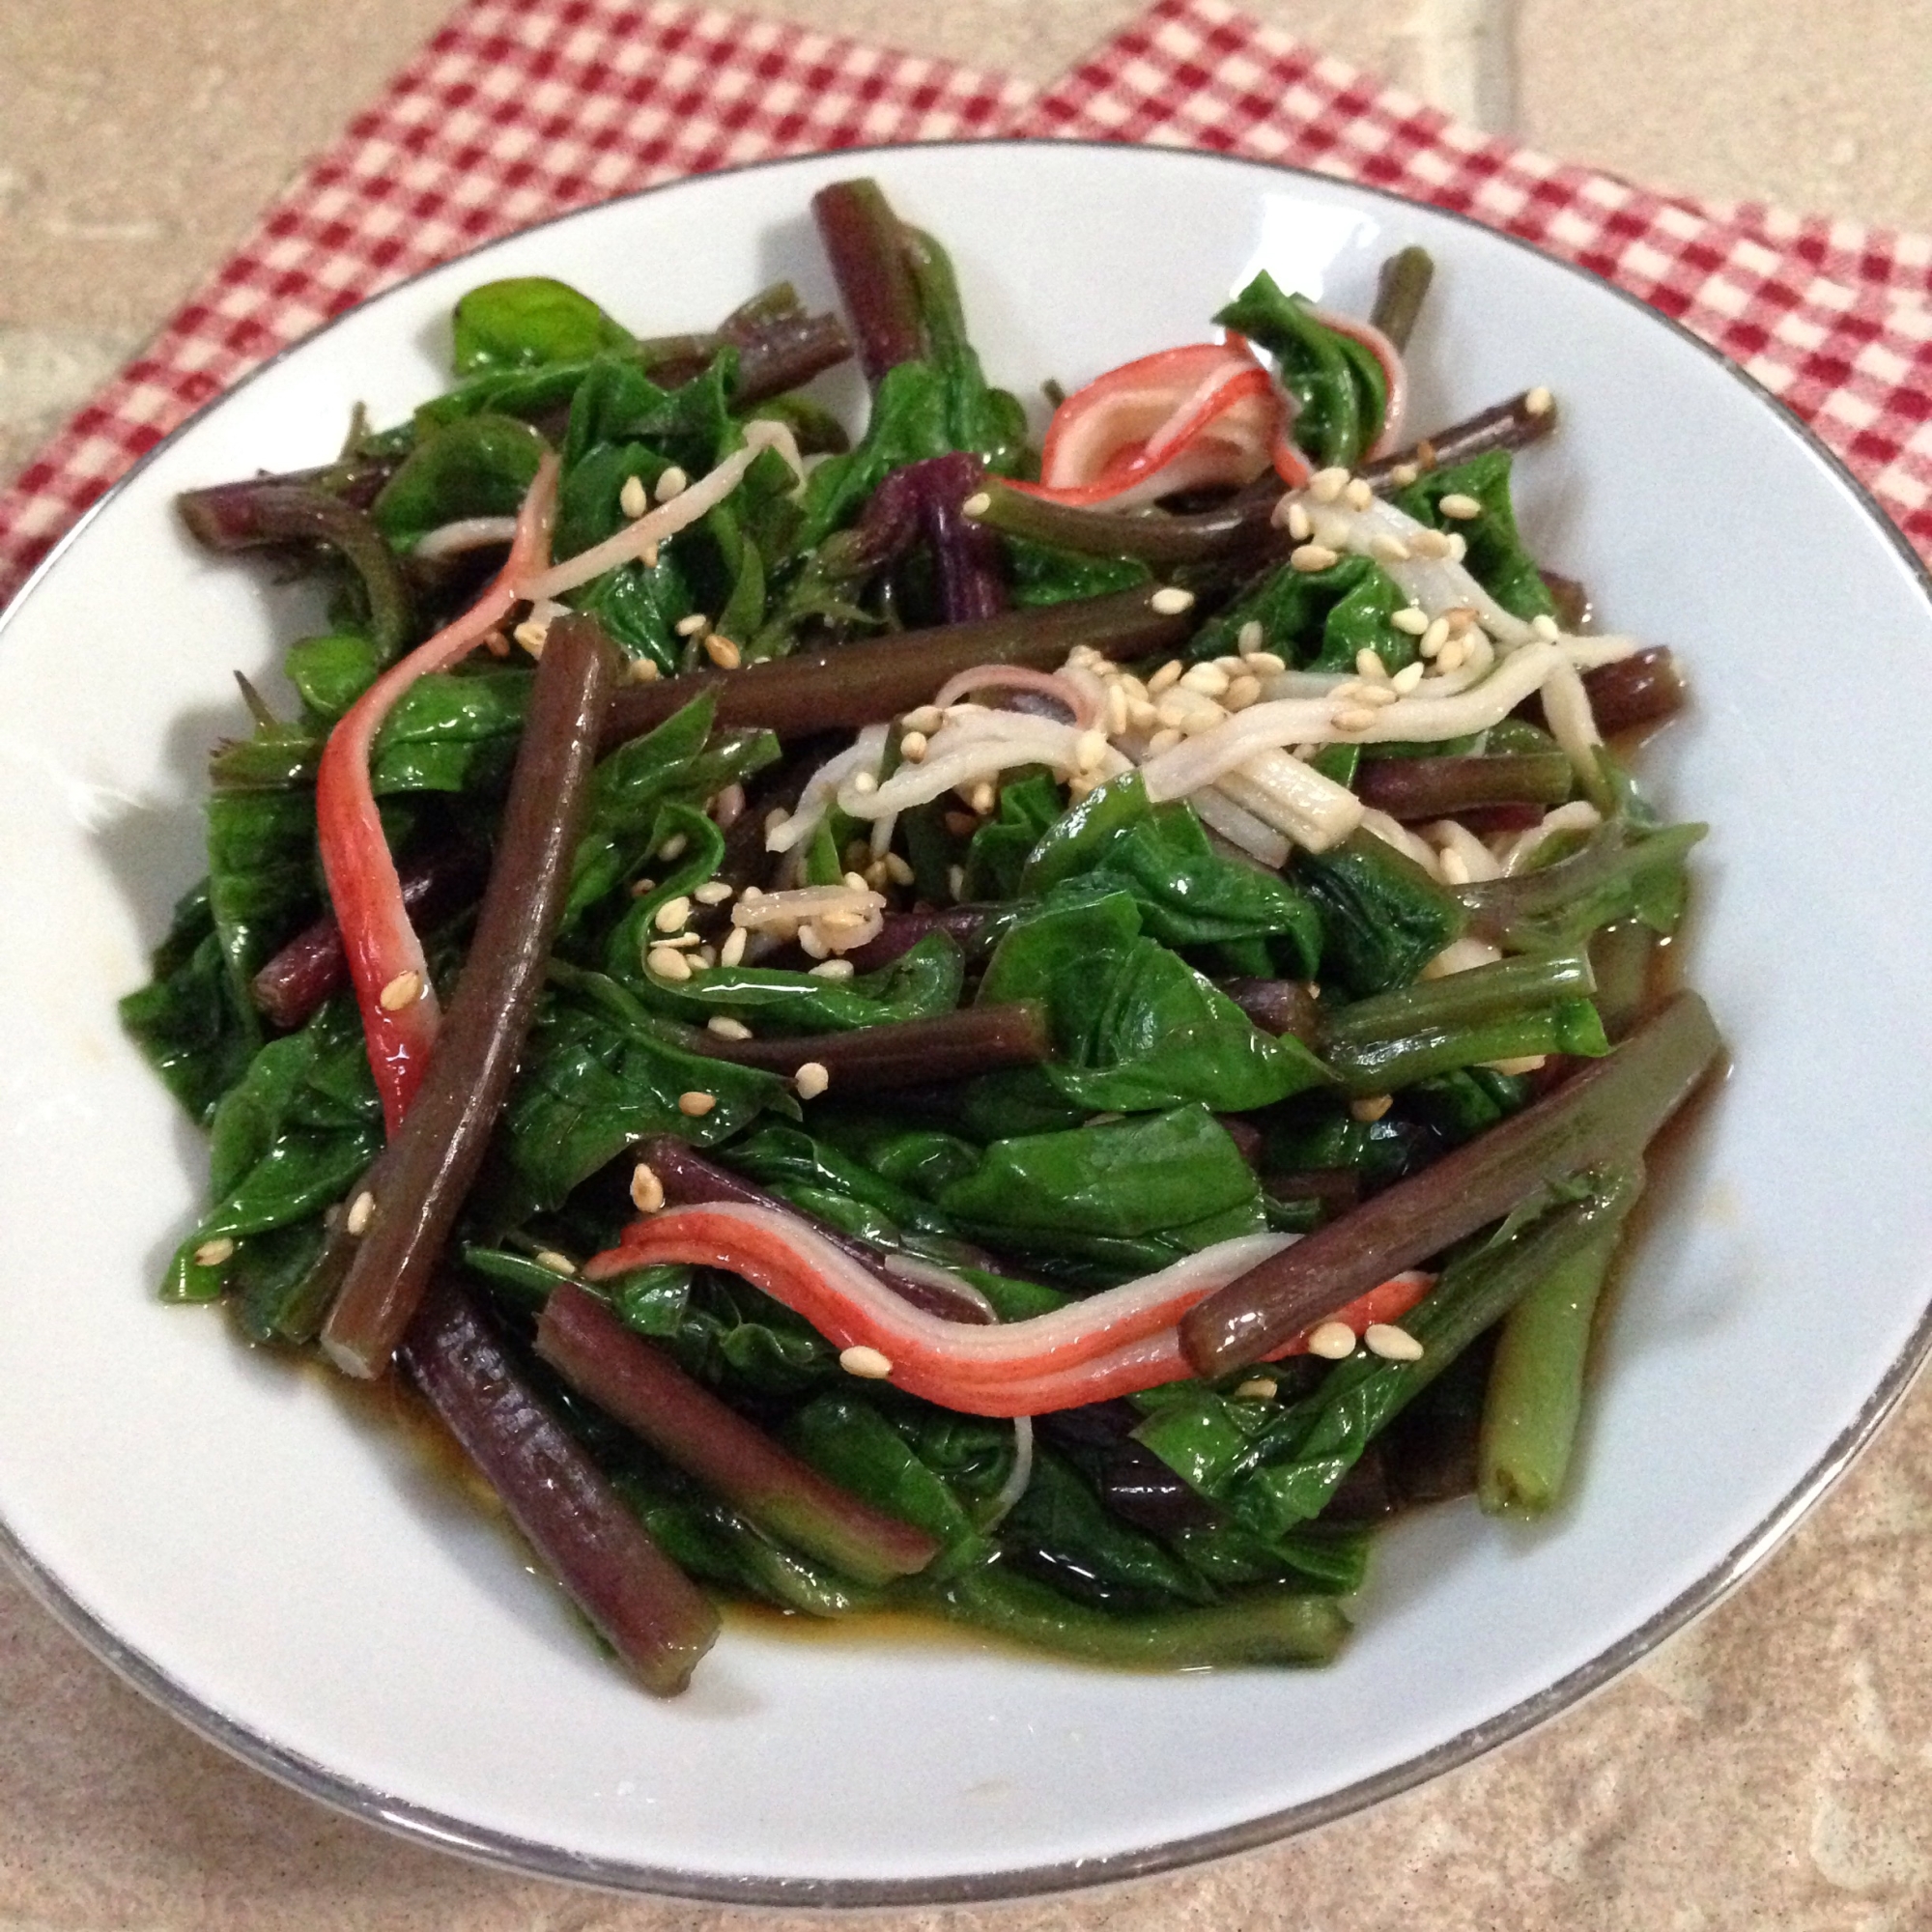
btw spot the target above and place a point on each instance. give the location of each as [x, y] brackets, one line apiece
[1399, 291]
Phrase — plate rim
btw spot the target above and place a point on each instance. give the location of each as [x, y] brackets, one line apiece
[424, 1825]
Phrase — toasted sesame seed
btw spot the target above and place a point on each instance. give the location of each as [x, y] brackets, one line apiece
[898, 869]
[1411, 620]
[983, 798]
[854, 879]
[911, 747]
[674, 846]
[1429, 543]
[1456, 504]
[1089, 749]
[361, 1211]
[1312, 556]
[1452, 655]
[692, 626]
[633, 499]
[1372, 1107]
[1325, 485]
[671, 484]
[1250, 637]
[1527, 1063]
[647, 1191]
[1406, 678]
[1296, 520]
[837, 925]
[1263, 664]
[1404, 474]
[650, 556]
[549, 1258]
[211, 1254]
[1170, 601]
[732, 952]
[833, 969]
[1168, 674]
[1368, 665]
[1140, 714]
[1257, 1388]
[1391, 1344]
[1243, 691]
[688, 942]
[865, 1362]
[1386, 548]
[1436, 636]
[865, 781]
[695, 1105]
[1163, 740]
[1332, 1341]
[810, 1080]
[877, 877]
[404, 990]
[1357, 495]
[668, 963]
[726, 1028]
[713, 891]
[925, 719]
[644, 670]
[1539, 402]
[531, 635]
[811, 941]
[1116, 710]
[671, 916]
[1209, 680]
[977, 504]
[723, 652]
[1354, 718]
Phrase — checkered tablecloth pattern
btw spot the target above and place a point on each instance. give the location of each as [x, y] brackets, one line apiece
[521, 109]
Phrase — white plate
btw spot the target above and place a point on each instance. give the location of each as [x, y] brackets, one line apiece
[282, 1571]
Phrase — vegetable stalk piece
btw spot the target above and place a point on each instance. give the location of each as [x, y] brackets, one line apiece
[646, 1391]
[280, 510]
[1510, 425]
[866, 248]
[385, 957]
[1241, 526]
[902, 1053]
[1447, 788]
[656, 1620]
[864, 683]
[431, 1161]
[1609, 1111]
[1400, 289]
[1637, 690]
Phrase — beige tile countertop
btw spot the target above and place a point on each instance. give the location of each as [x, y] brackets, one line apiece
[1770, 1767]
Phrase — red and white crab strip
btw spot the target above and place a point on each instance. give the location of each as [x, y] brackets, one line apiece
[1124, 1337]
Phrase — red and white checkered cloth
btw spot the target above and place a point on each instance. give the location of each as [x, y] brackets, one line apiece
[519, 109]
[1834, 318]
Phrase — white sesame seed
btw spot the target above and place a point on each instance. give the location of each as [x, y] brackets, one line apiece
[1369, 665]
[838, 924]
[647, 1191]
[1391, 1344]
[695, 1105]
[531, 635]
[1325, 485]
[1379, 694]
[668, 963]
[925, 719]
[1372, 1107]
[1311, 556]
[1257, 1388]
[1354, 718]
[211, 1254]
[361, 1211]
[1436, 634]
[404, 990]
[1211, 680]
[983, 798]
[1546, 627]
[1243, 691]
[1406, 678]
[811, 941]
[1386, 548]
[977, 504]
[713, 891]
[1451, 656]
[877, 877]
[1529, 1063]
[1429, 543]
[726, 1028]
[1140, 714]
[671, 484]
[1116, 710]
[1168, 674]
[674, 846]
[1539, 402]
[865, 781]
[1263, 664]
[834, 969]
[650, 556]
[1163, 740]
[898, 869]
[751, 892]
[703, 959]
[1460, 506]
[1296, 520]
[671, 916]
[644, 670]
[1458, 547]
[723, 652]
[1333, 1342]
[633, 499]
[866, 1363]
[1412, 620]
[1250, 637]
[549, 1258]
[911, 747]
[732, 952]
[690, 627]
[855, 881]
[1357, 495]
[810, 1080]
[1089, 749]
[1170, 601]
[680, 941]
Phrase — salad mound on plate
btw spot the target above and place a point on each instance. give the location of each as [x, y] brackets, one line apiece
[1043, 1035]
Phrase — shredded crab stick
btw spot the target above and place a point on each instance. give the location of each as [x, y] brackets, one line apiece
[400, 1014]
[1207, 412]
[1105, 1345]
[1395, 375]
